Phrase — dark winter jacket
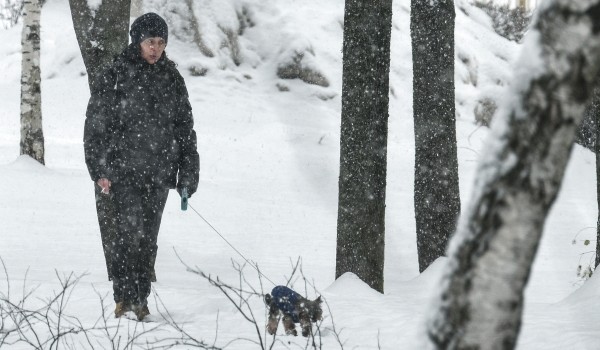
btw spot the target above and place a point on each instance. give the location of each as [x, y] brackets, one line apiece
[139, 125]
[287, 300]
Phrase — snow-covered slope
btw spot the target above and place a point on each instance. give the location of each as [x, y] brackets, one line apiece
[269, 167]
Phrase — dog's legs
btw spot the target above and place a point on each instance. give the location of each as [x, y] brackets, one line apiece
[289, 326]
[306, 327]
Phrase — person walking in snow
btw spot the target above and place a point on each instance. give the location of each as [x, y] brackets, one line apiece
[139, 142]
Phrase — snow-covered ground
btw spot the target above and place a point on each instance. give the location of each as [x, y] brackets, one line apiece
[269, 168]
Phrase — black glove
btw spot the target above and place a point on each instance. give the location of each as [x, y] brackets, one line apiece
[191, 187]
[189, 178]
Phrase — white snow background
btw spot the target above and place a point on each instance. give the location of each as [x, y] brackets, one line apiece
[268, 184]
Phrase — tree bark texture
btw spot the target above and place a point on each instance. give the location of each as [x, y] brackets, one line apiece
[437, 194]
[595, 109]
[363, 149]
[481, 295]
[32, 135]
[523, 4]
[101, 33]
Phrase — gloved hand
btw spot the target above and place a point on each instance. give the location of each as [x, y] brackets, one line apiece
[191, 188]
[189, 179]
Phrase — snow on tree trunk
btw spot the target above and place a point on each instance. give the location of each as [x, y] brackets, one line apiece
[32, 136]
[102, 30]
[481, 294]
[137, 8]
[197, 33]
[363, 144]
[595, 107]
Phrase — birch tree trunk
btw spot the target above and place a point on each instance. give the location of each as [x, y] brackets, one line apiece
[32, 135]
[481, 294]
[595, 107]
[523, 4]
[363, 141]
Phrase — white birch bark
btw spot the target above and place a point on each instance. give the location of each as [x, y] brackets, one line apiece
[32, 136]
[481, 296]
[523, 4]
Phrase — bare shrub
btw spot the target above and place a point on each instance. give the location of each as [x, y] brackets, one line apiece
[242, 294]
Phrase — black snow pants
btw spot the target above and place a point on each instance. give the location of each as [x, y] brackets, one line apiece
[138, 213]
[107, 220]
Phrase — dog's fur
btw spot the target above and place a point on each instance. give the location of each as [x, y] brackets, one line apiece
[294, 308]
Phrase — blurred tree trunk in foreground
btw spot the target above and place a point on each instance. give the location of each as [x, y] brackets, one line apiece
[480, 301]
[32, 135]
[363, 145]
[437, 195]
[595, 108]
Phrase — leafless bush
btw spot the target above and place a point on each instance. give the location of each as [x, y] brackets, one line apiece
[105, 334]
[45, 323]
[185, 337]
[45, 326]
[244, 291]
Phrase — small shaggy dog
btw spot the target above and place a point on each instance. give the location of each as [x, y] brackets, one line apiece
[294, 308]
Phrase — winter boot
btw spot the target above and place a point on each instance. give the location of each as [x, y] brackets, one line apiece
[121, 308]
[141, 311]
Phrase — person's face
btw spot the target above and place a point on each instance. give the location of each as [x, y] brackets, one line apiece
[152, 49]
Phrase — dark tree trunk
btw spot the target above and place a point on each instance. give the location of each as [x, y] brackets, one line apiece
[480, 300]
[101, 34]
[437, 196]
[363, 153]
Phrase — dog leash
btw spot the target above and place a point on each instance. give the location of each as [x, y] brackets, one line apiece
[228, 243]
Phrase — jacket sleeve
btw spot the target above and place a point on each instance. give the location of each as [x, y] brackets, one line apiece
[189, 160]
[99, 114]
